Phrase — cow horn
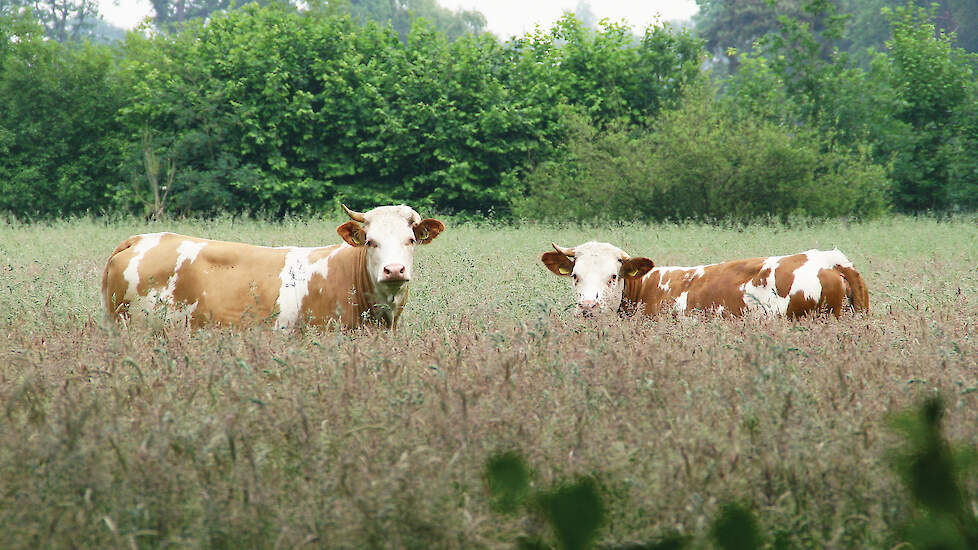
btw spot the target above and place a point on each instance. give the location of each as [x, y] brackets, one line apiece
[565, 251]
[357, 216]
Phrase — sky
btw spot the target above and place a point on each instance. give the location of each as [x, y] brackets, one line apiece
[125, 13]
[505, 18]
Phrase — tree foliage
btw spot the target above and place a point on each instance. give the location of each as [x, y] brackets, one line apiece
[173, 12]
[58, 135]
[402, 14]
[271, 108]
[267, 109]
[703, 160]
[729, 24]
[935, 80]
[912, 105]
[609, 72]
[63, 20]
[738, 24]
[323, 108]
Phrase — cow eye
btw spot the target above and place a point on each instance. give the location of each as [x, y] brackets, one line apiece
[412, 240]
[574, 276]
[371, 243]
[614, 277]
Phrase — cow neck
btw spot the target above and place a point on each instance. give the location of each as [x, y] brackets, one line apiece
[631, 295]
[366, 293]
[363, 286]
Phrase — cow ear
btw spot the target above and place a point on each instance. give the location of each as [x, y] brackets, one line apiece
[352, 233]
[558, 263]
[427, 230]
[636, 267]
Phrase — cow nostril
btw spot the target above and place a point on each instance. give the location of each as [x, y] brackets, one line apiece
[395, 272]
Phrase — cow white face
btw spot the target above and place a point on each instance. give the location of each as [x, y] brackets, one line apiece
[597, 273]
[389, 234]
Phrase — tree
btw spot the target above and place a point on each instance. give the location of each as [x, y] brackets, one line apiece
[63, 20]
[933, 78]
[58, 136]
[585, 14]
[870, 27]
[401, 15]
[738, 24]
[174, 12]
[727, 25]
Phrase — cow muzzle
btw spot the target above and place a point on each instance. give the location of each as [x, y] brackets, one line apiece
[394, 273]
[587, 308]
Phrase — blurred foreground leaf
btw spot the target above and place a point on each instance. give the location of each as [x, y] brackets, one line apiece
[508, 479]
[576, 512]
[736, 528]
[934, 474]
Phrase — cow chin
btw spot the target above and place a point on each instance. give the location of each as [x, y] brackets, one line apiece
[589, 309]
[392, 286]
[603, 305]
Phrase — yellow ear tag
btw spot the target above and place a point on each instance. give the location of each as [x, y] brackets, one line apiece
[631, 273]
[423, 236]
[563, 270]
[356, 239]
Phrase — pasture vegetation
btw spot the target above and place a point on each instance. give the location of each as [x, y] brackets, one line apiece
[164, 437]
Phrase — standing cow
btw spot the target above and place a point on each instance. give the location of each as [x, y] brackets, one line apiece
[605, 277]
[226, 283]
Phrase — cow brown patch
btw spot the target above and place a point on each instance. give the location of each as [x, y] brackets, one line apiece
[784, 274]
[762, 277]
[834, 291]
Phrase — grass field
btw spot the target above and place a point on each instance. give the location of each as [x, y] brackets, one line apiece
[113, 438]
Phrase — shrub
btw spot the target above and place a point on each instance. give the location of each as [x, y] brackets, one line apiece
[702, 161]
[959, 150]
[598, 175]
[55, 160]
[932, 78]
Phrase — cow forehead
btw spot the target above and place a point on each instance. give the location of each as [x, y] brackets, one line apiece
[594, 257]
[400, 213]
[390, 220]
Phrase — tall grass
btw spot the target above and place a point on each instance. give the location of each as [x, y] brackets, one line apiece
[366, 439]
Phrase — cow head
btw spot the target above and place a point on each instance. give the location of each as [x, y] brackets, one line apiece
[389, 235]
[597, 272]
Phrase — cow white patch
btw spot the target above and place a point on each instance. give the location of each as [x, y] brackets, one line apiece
[160, 304]
[764, 298]
[680, 305]
[295, 277]
[690, 273]
[131, 273]
[186, 251]
[159, 300]
[663, 283]
[806, 277]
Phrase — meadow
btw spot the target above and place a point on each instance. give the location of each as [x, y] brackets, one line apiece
[159, 438]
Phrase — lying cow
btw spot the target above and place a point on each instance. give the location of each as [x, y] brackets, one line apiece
[225, 283]
[605, 277]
